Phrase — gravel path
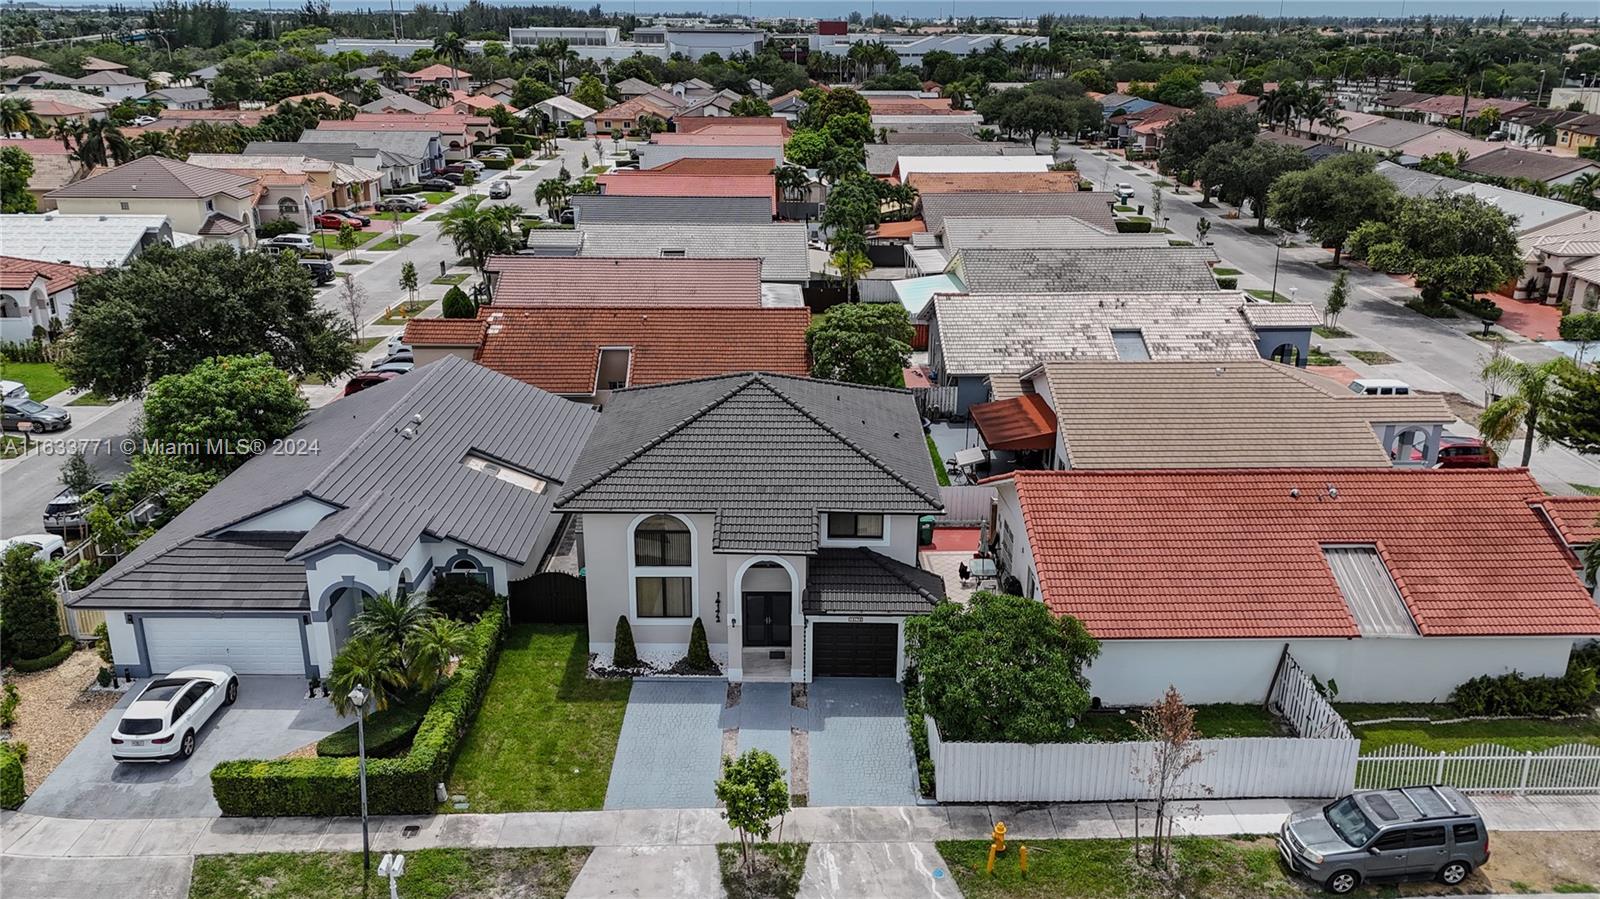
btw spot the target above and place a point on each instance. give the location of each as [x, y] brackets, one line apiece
[55, 713]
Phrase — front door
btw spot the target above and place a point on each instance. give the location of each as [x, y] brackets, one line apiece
[766, 619]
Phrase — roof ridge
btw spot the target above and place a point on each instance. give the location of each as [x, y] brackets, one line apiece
[860, 450]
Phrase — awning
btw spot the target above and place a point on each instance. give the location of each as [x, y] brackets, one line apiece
[1022, 423]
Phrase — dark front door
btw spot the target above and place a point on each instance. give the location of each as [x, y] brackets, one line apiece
[766, 619]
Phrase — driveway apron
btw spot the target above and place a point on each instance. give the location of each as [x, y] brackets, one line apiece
[669, 751]
[860, 750]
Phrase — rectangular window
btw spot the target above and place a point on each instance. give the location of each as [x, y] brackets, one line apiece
[663, 597]
[124, 205]
[661, 547]
[846, 526]
[1130, 346]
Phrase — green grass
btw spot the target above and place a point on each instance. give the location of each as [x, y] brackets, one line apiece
[1268, 295]
[778, 869]
[1489, 337]
[435, 197]
[355, 262]
[1318, 357]
[1223, 271]
[329, 240]
[41, 378]
[546, 734]
[1523, 735]
[1121, 207]
[1209, 868]
[1587, 489]
[404, 216]
[450, 280]
[1373, 357]
[430, 874]
[1212, 720]
[938, 464]
[1331, 332]
[393, 243]
[403, 312]
[598, 169]
[11, 446]
[1568, 888]
[367, 343]
[91, 399]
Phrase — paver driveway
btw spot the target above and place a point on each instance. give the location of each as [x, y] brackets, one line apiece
[271, 717]
[860, 750]
[670, 749]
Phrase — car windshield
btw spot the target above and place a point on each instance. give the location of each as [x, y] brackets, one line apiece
[1347, 819]
[137, 727]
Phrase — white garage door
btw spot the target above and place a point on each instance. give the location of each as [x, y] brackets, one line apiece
[247, 645]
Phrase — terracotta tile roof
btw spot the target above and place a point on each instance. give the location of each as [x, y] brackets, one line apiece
[444, 332]
[248, 117]
[1229, 101]
[702, 165]
[38, 146]
[614, 281]
[628, 110]
[912, 106]
[1025, 422]
[557, 348]
[994, 182]
[655, 184]
[742, 138]
[19, 274]
[902, 229]
[1450, 105]
[1576, 517]
[438, 70]
[732, 124]
[1227, 554]
[324, 96]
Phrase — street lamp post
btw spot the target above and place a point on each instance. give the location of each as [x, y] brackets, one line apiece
[1283, 241]
[358, 698]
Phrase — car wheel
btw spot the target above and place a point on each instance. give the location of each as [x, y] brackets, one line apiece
[233, 691]
[186, 748]
[1343, 882]
[1454, 873]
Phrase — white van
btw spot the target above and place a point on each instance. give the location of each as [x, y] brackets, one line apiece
[1379, 387]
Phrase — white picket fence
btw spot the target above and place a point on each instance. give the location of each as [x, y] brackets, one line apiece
[1295, 698]
[1094, 772]
[1483, 768]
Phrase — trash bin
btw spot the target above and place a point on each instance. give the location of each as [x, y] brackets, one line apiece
[925, 530]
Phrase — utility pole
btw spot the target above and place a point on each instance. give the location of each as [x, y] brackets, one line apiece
[394, 19]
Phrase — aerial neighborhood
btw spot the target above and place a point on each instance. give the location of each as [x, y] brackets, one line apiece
[544, 452]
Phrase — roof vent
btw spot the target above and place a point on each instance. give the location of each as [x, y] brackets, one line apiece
[1333, 492]
[1294, 492]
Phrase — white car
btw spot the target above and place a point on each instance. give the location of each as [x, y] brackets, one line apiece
[49, 546]
[14, 390]
[396, 343]
[161, 724]
[142, 121]
[298, 242]
[1124, 191]
[473, 164]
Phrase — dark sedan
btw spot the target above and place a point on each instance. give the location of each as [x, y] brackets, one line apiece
[39, 416]
[438, 184]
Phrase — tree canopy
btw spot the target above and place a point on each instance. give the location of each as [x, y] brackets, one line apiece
[1332, 199]
[16, 167]
[27, 605]
[863, 343]
[1455, 245]
[1186, 141]
[230, 407]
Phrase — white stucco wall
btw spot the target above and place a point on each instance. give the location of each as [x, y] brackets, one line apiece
[124, 646]
[899, 538]
[607, 551]
[292, 517]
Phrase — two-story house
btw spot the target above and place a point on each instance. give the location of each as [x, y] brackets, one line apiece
[781, 512]
[219, 206]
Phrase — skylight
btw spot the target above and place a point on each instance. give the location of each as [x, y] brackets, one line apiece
[1130, 346]
[1369, 591]
[503, 472]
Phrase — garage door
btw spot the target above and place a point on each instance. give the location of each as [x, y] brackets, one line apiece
[853, 650]
[247, 645]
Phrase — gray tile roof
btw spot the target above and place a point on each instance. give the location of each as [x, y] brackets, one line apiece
[926, 138]
[409, 143]
[345, 154]
[1036, 232]
[388, 490]
[161, 178]
[1010, 333]
[882, 158]
[1389, 133]
[1073, 271]
[1089, 206]
[240, 572]
[862, 582]
[179, 94]
[781, 246]
[615, 209]
[765, 453]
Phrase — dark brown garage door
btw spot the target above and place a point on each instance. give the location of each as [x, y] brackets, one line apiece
[853, 650]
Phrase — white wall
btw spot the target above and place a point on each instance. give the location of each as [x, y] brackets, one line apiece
[607, 548]
[124, 646]
[899, 538]
[292, 517]
[1366, 669]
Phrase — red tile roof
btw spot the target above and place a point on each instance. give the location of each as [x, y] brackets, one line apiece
[994, 182]
[730, 124]
[436, 71]
[901, 229]
[912, 106]
[444, 332]
[719, 139]
[39, 146]
[656, 184]
[1576, 517]
[700, 165]
[633, 281]
[1226, 554]
[1229, 101]
[19, 274]
[557, 348]
[1021, 423]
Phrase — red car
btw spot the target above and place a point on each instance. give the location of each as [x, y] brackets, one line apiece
[334, 220]
[1461, 452]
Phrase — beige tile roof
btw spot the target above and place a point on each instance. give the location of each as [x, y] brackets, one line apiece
[1281, 315]
[1234, 414]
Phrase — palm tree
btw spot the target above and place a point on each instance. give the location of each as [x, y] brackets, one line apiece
[477, 231]
[552, 193]
[452, 46]
[852, 263]
[792, 181]
[18, 117]
[64, 130]
[389, 72]
[1532, 391]
[154, 143]
[392, 619]
[370, 662]
[432, 648]
[101, 143]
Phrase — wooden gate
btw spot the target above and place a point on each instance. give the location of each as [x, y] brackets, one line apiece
[550, 598]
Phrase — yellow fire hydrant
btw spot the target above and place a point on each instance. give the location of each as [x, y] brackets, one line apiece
[997, 846]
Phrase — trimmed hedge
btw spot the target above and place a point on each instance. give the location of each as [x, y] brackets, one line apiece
[25, 666]
[1518, 695]
[1484, 309]
[12, 791]
[1227, 282]
[1127, 226]
[501, 164]
[389, 733]
[327, 787]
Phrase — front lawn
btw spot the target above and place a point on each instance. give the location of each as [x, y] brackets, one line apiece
[1268, 295]
[404, 312]
[430, 874]
[1210, 869]
[1215, 721]
[41, 378]
[1374, 357]
[449, 280]
[1521, 734]
[1223, 271]
[329, 240]
[90, 399]
[435, 197]
[546, 735]
[392, 243]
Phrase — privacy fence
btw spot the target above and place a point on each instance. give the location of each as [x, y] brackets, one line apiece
[966, 506]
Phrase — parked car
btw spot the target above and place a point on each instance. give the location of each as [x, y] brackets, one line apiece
[1379, 387]
[397, 367]
[361, 380]
[402, 355]
[395, 343]
[1456, 451]
[1411, 833]
[1124, 191]
[499, 190]
[67, 512]
[320, 270]
[298, 242]
[161, 724]
[141, 121]
[454, 168]
[495, 153]
[355, 217]
[333, 221]
[13, 390]
[472, 165]
[438, 184]
[454, 178]
[46, 546]
[402, 203]
[37, 414]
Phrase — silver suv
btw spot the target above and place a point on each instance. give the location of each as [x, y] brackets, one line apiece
[1411, 833]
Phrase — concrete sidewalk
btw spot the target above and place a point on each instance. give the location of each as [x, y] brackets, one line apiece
[24, 835]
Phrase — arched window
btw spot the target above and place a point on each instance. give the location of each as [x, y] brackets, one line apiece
[662, 563]
[287, 206]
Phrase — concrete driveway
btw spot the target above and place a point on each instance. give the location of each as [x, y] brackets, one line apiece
[272, 717]
[669, 753]
[860, 749]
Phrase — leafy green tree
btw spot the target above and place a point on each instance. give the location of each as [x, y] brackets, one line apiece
[852, 130]
[458, 305]
[823, 107]
[1574, 416]
[1528, 391]
[751, 106]
[28, 605]
[529, 92]
[1036, 114]
[752, 792]
[242, 402]
[1338, 298]
[862, 343]
[479, 231]
[372, 663]
[408, 279]
[347, 238]
[806, 148]
[1250, 173]
[171, 309]
[78, 474]
[16, 167]
[591, 93]
[1186, 141]
[853, 209]
[1332, 199]
[1454, 245]
[851, 262]
[172, 478]
[1002, 668]
[1582, 328]
[1091, 79]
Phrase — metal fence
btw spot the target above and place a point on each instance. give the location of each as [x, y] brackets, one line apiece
[966, 505]
[1295, 698]
[1485, 767]
[936, 402]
